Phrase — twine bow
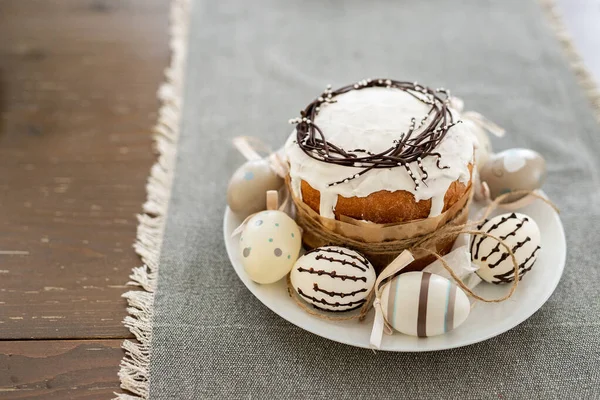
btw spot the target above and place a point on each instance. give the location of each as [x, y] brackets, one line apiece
[381, 325]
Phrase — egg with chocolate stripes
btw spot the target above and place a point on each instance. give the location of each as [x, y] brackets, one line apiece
[424, 304]
[269, 245]
[333, 278]
[520, 233]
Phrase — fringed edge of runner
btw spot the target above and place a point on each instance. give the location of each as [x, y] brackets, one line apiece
[584, 76]
[134, 371]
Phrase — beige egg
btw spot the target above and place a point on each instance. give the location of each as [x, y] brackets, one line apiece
[514, 169]
[269, 246]
[246, 193]
[424, 304]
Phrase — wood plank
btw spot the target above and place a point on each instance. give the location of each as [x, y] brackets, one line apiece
[77, 103]
[57, 369]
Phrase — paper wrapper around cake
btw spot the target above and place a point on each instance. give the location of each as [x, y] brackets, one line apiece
[382, 243]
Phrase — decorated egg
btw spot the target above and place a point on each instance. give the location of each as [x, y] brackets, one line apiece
[269, 245]
[333, 278]
[424, 304]
[520, 233]
[247, 187]
[514, 169]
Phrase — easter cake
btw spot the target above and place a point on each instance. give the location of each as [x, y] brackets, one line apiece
[380, 151]
[381, 162]
[362, 208]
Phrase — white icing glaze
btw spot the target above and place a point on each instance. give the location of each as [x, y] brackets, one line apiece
[372, 119]
[483, 144]
[437, 205]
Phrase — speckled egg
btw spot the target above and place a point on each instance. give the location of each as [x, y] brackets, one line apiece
[333, 278]
[269, 245]
[520, 233]
[424, 304]
[514, 169]
[247, 187]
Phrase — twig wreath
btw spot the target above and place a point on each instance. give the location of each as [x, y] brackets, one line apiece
[418, 142]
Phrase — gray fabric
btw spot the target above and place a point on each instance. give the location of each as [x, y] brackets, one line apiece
[254, 64]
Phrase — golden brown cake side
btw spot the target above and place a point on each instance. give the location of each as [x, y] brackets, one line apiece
[384, 207]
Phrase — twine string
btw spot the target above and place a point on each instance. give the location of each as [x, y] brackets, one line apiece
[461, 283]
[421, 244]
[250, 147]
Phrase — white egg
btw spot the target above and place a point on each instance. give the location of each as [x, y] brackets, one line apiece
[248, 185]
[333, 278]
[269, 245]
[424, 304]
[520, 233]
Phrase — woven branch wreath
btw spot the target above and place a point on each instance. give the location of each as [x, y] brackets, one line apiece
[409, 147]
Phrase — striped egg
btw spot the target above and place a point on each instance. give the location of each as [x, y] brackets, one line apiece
[333, 278]
[424, 304]
[520, 233]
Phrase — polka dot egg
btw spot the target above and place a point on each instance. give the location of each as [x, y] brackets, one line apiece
[269, 246]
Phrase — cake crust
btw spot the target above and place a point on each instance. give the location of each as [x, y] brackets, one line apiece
[384, 206]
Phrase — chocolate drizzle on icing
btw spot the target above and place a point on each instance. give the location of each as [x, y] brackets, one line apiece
[316, 288]
[417, 143]
[332, 274]
[509, 276]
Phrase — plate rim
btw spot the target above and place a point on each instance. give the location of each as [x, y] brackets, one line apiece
[254, 289]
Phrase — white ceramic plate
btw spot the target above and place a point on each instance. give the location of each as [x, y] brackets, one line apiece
[485, 321]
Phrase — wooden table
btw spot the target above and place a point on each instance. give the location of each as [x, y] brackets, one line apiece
[78, 82]
[77, 104]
